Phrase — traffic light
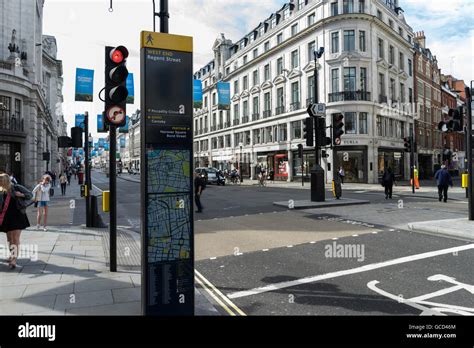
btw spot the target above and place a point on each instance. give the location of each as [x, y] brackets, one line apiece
[458, 119]
[76, 136]
[308, 131]
[115, 85]
[337, 128]
[408, 144]
[300, 150]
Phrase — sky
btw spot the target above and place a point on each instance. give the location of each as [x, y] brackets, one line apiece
[83, 28]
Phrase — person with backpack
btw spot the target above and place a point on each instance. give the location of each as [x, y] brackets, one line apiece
[13, 218]
[199, 186]
[42, 194]
[388, 180]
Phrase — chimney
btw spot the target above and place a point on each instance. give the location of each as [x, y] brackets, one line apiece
[420, 38]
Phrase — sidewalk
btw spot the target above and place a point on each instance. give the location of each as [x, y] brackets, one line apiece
[462, 228]
[65, 270]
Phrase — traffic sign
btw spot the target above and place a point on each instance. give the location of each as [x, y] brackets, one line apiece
[115, 115]
[315, 110]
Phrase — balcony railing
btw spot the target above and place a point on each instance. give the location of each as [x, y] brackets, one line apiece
[309, 101]
[267, 113]
[349, 96]
[245, 119]
[255, 117]
[12, 124]
[227, 124]
[280, 110]
[220, 126]
[236, 121]
[382, 99]
[205, 130]
[213, 128]
[295, 106]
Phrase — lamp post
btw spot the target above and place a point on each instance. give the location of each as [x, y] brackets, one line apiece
[318, 192]
[240, 163]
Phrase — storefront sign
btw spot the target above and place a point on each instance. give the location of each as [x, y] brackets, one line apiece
[167, 174]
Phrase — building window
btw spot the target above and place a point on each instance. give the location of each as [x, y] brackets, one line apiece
[379, 126]
[294, 59]
[349, 79]
[294, 29]
[348, 6]
[335, 80]
[255, 53]
[266, 72]
[334, 11]
[5, 109]
[311, 89]
[381, 50]
[410, 95]
[283, 132]
[362, 47]
[363, 123]
[255, 79]
[349, 40]
[267, 104]
[245, 108]
[401, 59]
[214, 99]
[245, 83]
[280, 97]
[256, 109]
[363, 79]
[236, 111]
[392, 89]
[361, 6]
[350, 123]
[410, 67]
[266, 46]
[279, 38]
[236, 89]
[379, 15]
[295, 93]
[311, 19]
[245, 60]
[400, 31]
[390, 23]
[311, 49]
[382, 84]
[392, 55]
[296, 130]
[280, 66]
[335, 42]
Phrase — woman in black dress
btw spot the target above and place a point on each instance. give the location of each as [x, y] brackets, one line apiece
[12, 219]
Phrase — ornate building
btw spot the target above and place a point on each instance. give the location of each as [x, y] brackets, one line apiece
[31, 116]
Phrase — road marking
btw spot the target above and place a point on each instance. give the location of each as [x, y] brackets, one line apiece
[209, 291]
[212, 258]
[265, 249]
[335, 238]
[374, 232]
[355, 235]
[289, 246]
[361, 269]
[218, 293]
[313, 242]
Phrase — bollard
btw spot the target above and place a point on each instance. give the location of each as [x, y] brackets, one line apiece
[95, 216]
[105, 201]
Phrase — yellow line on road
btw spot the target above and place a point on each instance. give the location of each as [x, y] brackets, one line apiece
[227, 309]
[222, 296]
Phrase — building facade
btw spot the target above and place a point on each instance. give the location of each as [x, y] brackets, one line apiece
[427, 86]
[31, 116]
[365, 74]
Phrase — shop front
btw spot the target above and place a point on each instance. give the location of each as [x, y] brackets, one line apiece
[302, 166]
[354, 162]
[394, 159]
[276, 164]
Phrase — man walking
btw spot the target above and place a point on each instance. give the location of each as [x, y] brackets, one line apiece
[198, 188]
[444, 180]
[388, 180]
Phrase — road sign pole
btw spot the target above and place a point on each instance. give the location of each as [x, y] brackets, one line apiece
[113, 197]
[470, 145]
[87, 169]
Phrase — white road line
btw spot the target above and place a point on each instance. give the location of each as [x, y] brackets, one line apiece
[355, 235]
[289, 246]
[335, 238]
[361, 269]
[212, 258]
[265, 249]
[313, 242]
[374, 232]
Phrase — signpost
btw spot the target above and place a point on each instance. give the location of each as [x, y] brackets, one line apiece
[167, 174]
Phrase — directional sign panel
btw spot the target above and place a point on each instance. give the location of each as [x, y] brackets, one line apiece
[316, 110]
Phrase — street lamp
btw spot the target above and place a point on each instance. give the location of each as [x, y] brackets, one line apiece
[317, 172]
[240, 163]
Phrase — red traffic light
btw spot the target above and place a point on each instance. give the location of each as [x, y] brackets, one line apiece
[118, 54]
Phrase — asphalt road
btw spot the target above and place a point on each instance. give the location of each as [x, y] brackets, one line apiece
[355, 260]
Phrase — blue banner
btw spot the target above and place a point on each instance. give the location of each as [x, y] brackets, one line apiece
[101, 124]
[197, 94]
[93, 153]
[130, 88]
[223, 95]
[106, 146]
[80, 121]
[124, 129]
[101, 142]
[122, 142]
[84, 85]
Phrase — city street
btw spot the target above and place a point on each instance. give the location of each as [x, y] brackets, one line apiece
[266, 260]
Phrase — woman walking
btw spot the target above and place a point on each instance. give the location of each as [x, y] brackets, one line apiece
[63, 182]
[41, 192]
[13, 217]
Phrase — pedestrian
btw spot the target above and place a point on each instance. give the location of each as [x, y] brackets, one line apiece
[342, 174]
[69, 174]
[43, 201]
[13, 179]
[63, 182]
[388, 180]
[444, 180]
[75, 173]
[198, 188]
[53, 178]
[13, 216]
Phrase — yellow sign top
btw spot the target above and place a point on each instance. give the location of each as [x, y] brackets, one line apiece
[150, 39]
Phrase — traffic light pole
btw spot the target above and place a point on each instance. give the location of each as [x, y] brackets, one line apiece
[87, 170]
[470, 145]
[412, 162]
[163, 14]
[317, 172]
[113, 197]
